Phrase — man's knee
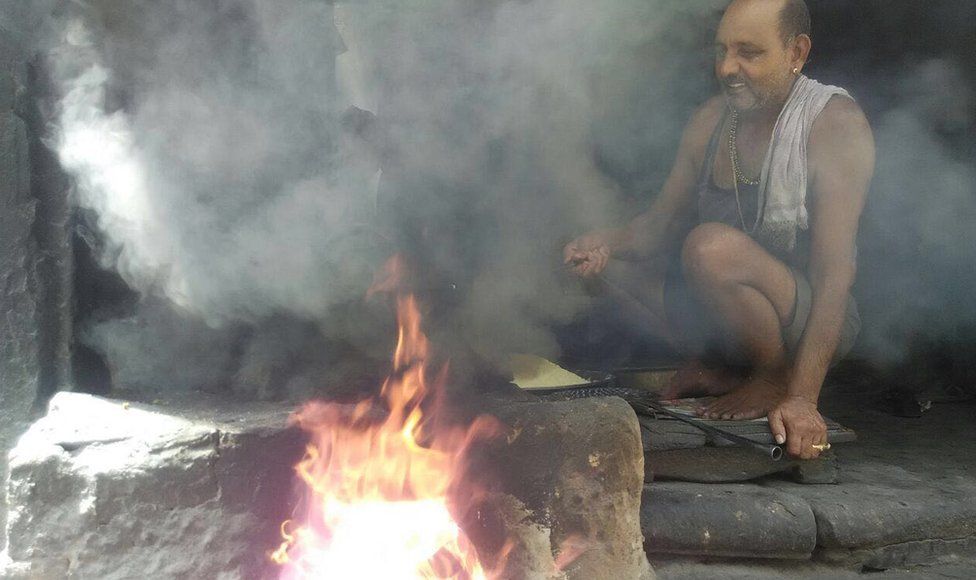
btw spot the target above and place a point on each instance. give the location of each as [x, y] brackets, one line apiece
[712, 252]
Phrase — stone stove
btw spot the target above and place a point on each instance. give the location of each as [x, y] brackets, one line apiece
[105, 488]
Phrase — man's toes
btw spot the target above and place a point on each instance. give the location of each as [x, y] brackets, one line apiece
[747, 415]
[734, 414]
[725, 412]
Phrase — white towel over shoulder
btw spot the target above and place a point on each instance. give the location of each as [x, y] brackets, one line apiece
[783, 183]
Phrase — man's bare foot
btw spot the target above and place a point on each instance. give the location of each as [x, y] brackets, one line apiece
[752, 399]
[697, 380]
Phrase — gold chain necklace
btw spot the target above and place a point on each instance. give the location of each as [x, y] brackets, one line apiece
[734, 154]
[737, 177]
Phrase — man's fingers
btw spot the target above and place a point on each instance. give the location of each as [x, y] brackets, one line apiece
[586, 262]
[777, 427]
[805, 447]
[586, 267]
[794, 444]
[600, 264]
[579, 261]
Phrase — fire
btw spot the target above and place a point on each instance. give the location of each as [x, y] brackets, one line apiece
[379, 477]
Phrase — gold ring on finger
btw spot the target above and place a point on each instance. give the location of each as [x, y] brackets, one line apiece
[821, 446]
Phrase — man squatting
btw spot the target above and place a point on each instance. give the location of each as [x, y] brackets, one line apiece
[777, 169]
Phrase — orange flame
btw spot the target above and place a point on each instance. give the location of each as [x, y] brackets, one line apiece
[378, 485]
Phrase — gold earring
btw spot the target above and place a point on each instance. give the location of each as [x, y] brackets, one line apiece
[796, 70]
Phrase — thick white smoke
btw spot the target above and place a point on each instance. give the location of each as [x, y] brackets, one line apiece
[209, 140]
[208, 184]
[215, 143]
[98, 148]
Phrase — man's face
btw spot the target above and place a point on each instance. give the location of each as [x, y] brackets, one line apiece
[752, 63]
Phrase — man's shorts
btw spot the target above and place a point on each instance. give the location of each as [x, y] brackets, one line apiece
[793, 332]
[686, 314]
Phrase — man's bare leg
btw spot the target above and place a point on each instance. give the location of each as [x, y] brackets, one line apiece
[750, 295]
[638, 289]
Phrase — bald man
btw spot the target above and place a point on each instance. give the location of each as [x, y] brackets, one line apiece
[774, 171]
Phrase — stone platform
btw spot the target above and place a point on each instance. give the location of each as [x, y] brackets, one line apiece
[905, 497]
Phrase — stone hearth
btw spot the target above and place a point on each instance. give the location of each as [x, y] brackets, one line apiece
[102, 488]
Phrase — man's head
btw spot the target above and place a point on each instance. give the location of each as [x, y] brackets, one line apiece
[760, 48]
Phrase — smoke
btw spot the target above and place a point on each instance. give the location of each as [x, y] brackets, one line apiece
[215, 144]
[911, 69]
[214, 176]
[231, 178]
[918, 239]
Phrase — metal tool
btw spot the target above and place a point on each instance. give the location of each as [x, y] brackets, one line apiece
[774, 452]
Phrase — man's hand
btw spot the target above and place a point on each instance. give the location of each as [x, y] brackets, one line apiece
[797, 422]
[589, 254]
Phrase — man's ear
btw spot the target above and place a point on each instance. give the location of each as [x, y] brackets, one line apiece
[801, 49]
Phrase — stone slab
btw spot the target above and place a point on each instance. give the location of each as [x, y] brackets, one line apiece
[904, 555]
[784, 570]
[108, 489]
[903, 497]
[863, 515]
[578, 468]
[733, 465]
[735, 521]
[905, 491]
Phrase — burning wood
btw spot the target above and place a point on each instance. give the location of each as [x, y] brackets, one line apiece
[382, 486]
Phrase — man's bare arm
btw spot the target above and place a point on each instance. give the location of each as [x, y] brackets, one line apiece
[654, 231]
[842, 156]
